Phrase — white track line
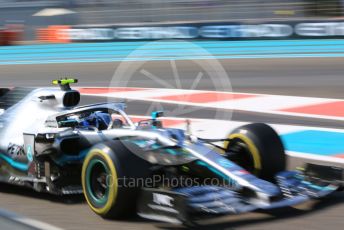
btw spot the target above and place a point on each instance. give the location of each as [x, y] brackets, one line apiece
[313, 157]
[27, 221]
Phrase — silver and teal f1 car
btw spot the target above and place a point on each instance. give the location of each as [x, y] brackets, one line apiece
[49, 143]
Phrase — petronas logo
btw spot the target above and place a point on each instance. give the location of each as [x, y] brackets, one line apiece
[29, 153]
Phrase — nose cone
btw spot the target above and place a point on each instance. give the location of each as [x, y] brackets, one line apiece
[267, 188]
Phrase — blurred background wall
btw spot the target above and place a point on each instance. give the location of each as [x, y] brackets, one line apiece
[96, 12]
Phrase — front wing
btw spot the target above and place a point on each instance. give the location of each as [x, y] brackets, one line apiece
[189, 204]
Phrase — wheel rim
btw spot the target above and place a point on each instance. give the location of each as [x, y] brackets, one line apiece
[240, 154]
[96, 181]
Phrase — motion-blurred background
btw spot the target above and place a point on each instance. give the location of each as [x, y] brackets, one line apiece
[29, 16]
[268, 47]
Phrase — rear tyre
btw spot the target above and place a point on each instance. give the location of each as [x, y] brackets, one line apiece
[107, 170]
[257, 148]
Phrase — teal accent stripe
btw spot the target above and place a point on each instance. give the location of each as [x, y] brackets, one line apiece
[326, 143]
[17, 165]
[65, 159]
[169, 50]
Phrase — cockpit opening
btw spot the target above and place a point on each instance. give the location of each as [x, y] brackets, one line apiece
[99, 119]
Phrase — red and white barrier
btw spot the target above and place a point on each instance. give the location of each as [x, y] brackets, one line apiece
[262, 103]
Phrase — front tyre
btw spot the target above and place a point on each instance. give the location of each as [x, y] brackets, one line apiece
[104, 169]
[257, 148]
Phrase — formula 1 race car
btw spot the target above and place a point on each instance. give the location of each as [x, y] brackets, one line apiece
[50, 144]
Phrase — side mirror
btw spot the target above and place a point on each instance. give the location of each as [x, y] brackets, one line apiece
[157, 114]
[155, 122]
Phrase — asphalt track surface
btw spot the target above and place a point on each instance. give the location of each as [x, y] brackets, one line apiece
[317, 77]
